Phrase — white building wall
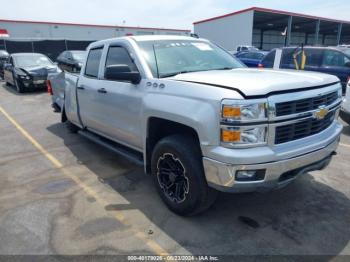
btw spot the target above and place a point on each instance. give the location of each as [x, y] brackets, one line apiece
[32, 31]
[228, 32]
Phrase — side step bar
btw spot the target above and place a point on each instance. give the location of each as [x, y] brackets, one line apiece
[130, 154]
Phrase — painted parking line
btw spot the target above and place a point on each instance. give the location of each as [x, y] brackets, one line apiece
[154, 246]
[345, 145]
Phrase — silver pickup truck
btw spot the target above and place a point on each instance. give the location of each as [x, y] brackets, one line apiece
[198, 120]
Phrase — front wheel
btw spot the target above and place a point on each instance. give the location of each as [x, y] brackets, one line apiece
[19, 86]
[178, 174]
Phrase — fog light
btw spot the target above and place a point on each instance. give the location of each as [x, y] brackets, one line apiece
[250, 175]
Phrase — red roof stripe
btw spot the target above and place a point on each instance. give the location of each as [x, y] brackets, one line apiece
[260, 9]
[105, 26]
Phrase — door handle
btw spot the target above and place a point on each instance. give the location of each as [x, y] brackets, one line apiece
[102, 90]
[81, 87]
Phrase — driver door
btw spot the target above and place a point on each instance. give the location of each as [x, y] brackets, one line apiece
[120, 102]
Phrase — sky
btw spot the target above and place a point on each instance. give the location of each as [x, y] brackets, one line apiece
[157, 13]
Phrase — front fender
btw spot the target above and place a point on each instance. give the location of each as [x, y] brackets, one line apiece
[201, 115]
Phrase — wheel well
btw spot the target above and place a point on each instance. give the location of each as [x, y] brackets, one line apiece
[159, 128]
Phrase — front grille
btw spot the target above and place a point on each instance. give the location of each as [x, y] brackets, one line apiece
[304, 105]
[302, 129]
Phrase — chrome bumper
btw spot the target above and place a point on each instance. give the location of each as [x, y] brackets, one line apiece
[221, 176]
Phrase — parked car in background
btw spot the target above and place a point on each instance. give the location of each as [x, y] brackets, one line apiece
[3, 59]
[198, 119]
[251, 59]
[242, 48]
[345, 108]
[330, 60]
[71, 60]
[28, 70]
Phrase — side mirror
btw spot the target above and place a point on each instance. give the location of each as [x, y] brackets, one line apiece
[122, 73]
[347, 64]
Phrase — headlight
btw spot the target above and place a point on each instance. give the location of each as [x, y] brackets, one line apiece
[244, 110]
[244, 123]
[244, 135]
[24, 77]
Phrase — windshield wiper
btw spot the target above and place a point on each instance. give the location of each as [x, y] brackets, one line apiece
[189, 71]
[177, 73]
[224, 68]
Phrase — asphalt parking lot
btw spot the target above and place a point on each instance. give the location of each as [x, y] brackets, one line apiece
[61, 194]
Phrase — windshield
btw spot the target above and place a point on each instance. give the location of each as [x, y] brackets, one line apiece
[32, 60]
[79, 56]
[346, 51]
[171, 57]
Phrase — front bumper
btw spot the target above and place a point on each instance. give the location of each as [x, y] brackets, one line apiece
[278, 172]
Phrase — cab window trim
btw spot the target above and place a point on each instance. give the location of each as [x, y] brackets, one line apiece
[128, 53]
[87, 59]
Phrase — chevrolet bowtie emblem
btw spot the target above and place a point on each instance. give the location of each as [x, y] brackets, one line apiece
[321, 113]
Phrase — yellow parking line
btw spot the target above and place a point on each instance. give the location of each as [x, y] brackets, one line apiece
[88, 190]
[346, 145]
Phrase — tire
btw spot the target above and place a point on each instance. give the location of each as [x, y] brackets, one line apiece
[178, 158]
[19, 86]
[345, 117]
[71, 127]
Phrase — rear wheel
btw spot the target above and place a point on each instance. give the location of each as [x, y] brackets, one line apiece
[178, 174]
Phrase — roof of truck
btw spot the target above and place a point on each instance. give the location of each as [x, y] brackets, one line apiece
[145, 38]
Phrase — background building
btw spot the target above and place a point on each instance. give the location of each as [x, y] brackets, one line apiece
[264, 29]
[53, 38]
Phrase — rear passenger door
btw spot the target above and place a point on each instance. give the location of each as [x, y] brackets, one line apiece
[87, 89]
[121, 101]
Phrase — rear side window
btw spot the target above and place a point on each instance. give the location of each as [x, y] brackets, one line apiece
[93, 62]
[334, 58]
[269, 59]
[119, 56]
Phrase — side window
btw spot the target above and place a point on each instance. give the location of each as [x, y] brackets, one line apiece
[269, 59]
[287, 56]
[93, 62]
[334, 58]
[313, 57]
[119, 56]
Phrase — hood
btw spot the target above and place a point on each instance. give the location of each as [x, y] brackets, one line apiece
[39, 70]
[258, 82]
